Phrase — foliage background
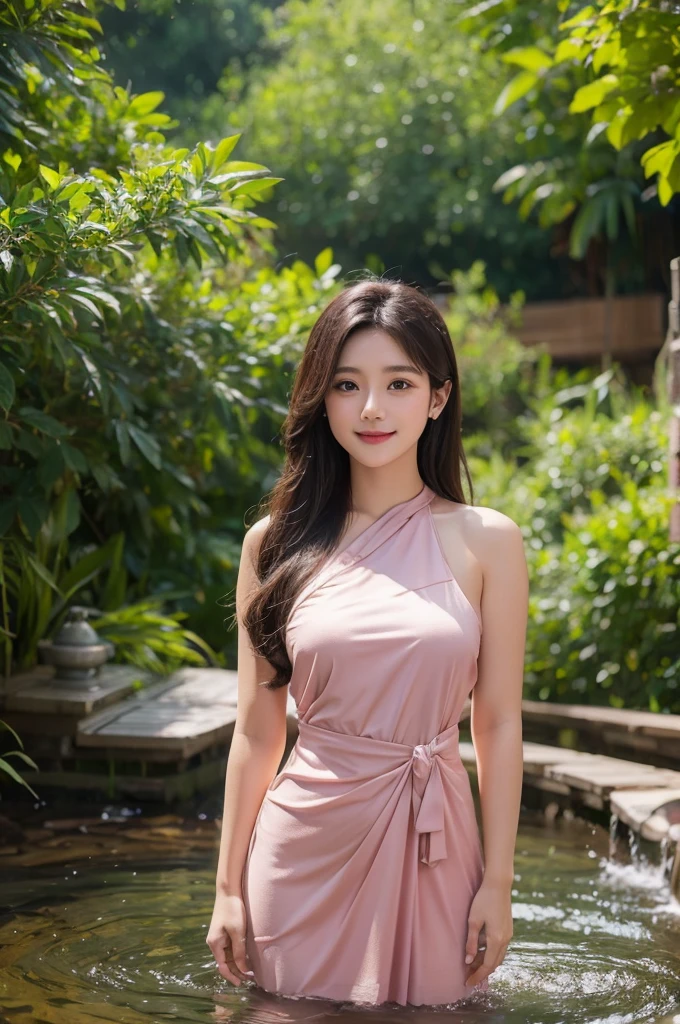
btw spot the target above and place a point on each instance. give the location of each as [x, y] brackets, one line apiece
[411, 136]
[153, 312]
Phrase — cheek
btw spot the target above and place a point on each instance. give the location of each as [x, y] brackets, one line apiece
[343, 408]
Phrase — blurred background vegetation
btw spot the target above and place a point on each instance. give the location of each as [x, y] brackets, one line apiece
[185, 185]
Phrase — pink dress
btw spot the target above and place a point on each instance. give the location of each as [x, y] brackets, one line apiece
[366, 855]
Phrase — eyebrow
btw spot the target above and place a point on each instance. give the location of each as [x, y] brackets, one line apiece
[397, 368]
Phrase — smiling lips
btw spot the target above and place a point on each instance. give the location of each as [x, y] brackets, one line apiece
[373, 437]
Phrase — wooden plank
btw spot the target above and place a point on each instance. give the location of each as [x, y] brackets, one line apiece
[591, 777]
[157, 725]
[192, 710]
[601, 775]
[538, 756]
[592, 718]
[651, 812]
[199, 686]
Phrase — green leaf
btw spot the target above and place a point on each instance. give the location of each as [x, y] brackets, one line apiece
[638, 123]
[26, 442]
[586, 225]
[123, 438]
[323, 261]
[106, 298]
[81, 300]
[23, 756]
[659, 158]
[529, 57]
[664, 190]
[584, 16]
[238, 176]
[6, 767]
[509, 177]
[249, 188]
[5, 725]
[568, 49]
[43, 422]
[89, 566]
[616, 127]
[145, 103]
[673, 176]
[34, 513]
[223, 150]
[72, 189]
[589, 96]
[518, 87]
[52, 178]
[7, 390]
[263, 222]
[147, 445]
[74, 458]
[43, 572]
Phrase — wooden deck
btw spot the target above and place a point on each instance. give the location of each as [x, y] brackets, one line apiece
[163, 741]
[643, 735]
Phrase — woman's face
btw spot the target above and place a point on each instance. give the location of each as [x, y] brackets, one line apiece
[376, 388]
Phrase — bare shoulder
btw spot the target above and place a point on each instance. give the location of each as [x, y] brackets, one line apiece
[247, 579]
[253, 538]
[486, 532]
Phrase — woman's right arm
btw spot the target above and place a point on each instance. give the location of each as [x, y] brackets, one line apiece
[257, 746]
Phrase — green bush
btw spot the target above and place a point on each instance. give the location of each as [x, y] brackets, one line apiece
[605, 610]
[145, 352]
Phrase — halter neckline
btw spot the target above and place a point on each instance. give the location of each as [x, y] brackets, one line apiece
[386, 523]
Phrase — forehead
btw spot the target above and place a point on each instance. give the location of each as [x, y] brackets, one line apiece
[371, 347]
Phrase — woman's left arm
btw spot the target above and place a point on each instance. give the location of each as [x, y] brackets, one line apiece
[496, 729]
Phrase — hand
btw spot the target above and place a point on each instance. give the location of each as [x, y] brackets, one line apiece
[227, 937]
[491, 912]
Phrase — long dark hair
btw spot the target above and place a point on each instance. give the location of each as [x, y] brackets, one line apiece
[311, 500]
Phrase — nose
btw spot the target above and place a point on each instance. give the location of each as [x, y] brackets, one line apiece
[371, 407]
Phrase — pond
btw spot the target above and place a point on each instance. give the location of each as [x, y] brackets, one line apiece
[104, 919]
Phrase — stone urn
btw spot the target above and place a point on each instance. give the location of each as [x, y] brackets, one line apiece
[77, 652]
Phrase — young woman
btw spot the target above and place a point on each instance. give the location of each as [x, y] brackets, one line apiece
[382, 598]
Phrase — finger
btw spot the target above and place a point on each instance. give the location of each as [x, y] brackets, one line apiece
[493, 956]
[227, 973]
[220, 948]
[481, 970]
[472, 941]
[233, 966]
[238, 945]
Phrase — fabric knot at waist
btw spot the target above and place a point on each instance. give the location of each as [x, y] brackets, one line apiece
[347, 754]
[428, 794]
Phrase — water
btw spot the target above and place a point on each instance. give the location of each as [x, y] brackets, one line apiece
[106, 921]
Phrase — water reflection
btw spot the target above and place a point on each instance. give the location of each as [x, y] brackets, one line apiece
[124, 939]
